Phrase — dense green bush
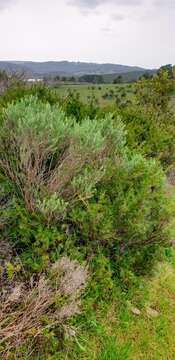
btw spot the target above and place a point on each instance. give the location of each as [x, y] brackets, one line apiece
[149, 137]
[74, 106]
[20, 89]
[154, 94]
[66, 183]
[149, 119]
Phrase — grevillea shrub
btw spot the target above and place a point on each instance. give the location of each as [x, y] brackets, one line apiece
[66, 184]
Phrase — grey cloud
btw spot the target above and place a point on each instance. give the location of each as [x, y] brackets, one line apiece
[92, 4]
[165, 3]
[5, 3]
[106, 29]
[117, 17]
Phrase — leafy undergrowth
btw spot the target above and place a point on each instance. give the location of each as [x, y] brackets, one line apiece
[137, 324]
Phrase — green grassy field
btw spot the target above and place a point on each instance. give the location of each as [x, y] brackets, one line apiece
[105, 93]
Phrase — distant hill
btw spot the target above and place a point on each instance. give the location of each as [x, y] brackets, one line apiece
[10, 66]
[66, 68]
[127, 76]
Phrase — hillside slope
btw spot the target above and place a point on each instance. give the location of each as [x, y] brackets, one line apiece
[66, 68]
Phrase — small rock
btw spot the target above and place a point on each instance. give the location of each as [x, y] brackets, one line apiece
[135, 311]
[152, 312]
[70, 332]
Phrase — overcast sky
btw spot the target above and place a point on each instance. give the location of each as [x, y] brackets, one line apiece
[133, 32]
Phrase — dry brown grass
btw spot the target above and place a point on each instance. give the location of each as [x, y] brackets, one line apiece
[32, 308]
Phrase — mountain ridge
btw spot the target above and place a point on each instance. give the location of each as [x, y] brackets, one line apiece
[52, 68]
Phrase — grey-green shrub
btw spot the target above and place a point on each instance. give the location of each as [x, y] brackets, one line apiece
[76, 184]
[45, 153]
